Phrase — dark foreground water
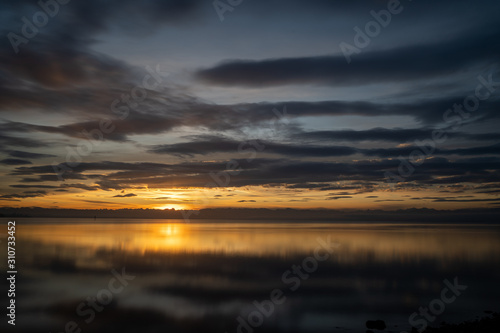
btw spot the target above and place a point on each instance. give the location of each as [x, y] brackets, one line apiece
[233, 276]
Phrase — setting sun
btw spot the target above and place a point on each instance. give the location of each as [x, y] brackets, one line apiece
[176, 207]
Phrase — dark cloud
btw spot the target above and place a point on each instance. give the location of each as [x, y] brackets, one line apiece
[390, 200]
[495, 191]
[211, 144]
[407, 151]
[215, 144]
[34, 186]
[101, 202]
[128, 195]
[361, 176]
[428, 110]
[7, 140]
[406, 63]
[78, 22]
[80, 186]
[465, 200]
[24, 195]
[353, 9]
[25, 154]
[56, 71]
[14, 161]
[153, 119]
[398, 135]
[57, 68]
[339, 197]
[359, 187]
[342, 193]
[52, 177]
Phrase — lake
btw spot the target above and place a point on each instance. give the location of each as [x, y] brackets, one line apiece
[119, 275]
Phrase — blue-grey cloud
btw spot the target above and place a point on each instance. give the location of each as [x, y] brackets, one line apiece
[399, 64]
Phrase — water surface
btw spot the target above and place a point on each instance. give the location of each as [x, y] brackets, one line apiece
[200, 277]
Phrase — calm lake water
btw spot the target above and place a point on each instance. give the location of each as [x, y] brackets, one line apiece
[236, 276]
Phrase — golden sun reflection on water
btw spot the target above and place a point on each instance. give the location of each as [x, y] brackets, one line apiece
[383, 242]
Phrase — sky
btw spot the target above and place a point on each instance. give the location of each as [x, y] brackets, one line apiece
[191, 104]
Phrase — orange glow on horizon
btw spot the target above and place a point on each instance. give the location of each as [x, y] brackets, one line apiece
[253, 197]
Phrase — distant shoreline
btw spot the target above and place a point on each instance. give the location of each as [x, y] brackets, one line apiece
[489, 216]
